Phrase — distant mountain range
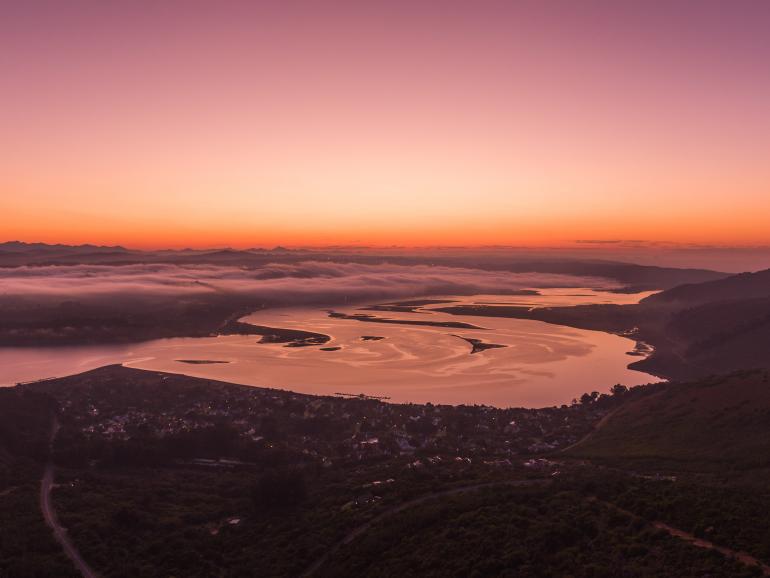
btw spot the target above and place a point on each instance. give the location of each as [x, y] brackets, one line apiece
[21, 247]
[17, 253]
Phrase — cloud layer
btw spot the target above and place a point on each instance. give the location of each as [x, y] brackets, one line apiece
[306, 282]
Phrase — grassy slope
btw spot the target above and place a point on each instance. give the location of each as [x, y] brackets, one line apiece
[718, 420]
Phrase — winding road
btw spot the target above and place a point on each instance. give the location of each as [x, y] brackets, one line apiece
[49, 513]
[742, 557]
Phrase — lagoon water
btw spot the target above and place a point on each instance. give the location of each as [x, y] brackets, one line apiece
[542, 364]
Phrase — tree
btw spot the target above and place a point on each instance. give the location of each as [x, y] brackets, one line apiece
[619, 389]
[279, 489]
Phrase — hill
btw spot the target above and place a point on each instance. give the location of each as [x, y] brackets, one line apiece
[696, 330]
[162, 474]
[726, 335]
[527, 533]
[713, 327]
[719, 420]
[736, 287]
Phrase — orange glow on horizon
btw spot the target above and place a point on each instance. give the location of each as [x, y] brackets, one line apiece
[187, 125]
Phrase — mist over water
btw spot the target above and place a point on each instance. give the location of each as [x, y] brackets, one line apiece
[287, 283]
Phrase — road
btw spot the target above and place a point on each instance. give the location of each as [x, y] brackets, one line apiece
[61, 535]
[743, 557]
[366, 526]
[49, 513]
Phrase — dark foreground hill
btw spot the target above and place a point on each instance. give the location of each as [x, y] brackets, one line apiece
[166, 475]
[694, 456]
[722, 421]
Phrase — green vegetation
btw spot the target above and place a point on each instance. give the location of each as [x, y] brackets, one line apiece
[729, 510]
[187, 522]
[198, 521]
[719, 422]
[522, 533]
[166, 475]
[27, 546]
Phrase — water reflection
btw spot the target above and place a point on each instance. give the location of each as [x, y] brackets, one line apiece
[540, 364]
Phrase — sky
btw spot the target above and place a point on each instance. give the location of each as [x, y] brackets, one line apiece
[184, 123]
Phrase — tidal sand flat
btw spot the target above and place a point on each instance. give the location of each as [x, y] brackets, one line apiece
[535, 363]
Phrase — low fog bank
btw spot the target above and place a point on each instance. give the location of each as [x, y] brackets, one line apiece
[309, 282]
[60, 304]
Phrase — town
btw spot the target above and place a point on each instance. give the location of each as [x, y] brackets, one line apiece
[215, 424]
